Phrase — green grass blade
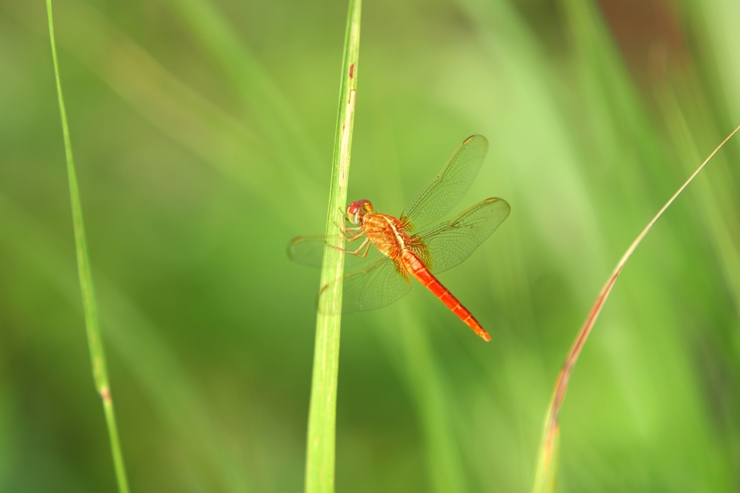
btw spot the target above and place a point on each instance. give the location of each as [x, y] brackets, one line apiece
[136, 340]
[322, 413]
[97, 354]
[546, 471]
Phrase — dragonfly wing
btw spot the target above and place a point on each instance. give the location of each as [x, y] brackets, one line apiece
[447, 189]
[375, 286]
[307, 250]
[451, 242]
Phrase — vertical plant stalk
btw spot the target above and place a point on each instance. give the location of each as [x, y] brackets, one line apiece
[546, 472]
[322, 413]
[97, 354]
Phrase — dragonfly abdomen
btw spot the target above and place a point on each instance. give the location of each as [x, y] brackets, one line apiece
[420, 272]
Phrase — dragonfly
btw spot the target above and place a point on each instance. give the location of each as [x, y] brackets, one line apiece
[405, 253]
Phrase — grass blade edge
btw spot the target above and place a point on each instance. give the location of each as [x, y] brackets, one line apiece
[320, 453]
[95, 341]
[546, 470]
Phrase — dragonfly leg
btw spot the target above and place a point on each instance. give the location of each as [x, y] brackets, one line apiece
[365, 245]
[351, 237]
[348, 232]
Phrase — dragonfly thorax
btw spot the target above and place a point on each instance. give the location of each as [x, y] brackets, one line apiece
[356, 210]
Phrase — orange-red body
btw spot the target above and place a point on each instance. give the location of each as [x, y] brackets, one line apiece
[409, 253]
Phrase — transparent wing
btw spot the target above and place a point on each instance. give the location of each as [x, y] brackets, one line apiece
[447, 189]
[371, 282]
[451, 242]
[307, 250]
[375, 286]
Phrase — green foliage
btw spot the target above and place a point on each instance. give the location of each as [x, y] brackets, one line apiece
[90, 306]
[322, 418]
[203, 143]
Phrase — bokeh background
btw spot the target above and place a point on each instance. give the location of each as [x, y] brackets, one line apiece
[202, 132]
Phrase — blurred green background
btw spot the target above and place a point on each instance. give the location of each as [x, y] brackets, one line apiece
[202, 133]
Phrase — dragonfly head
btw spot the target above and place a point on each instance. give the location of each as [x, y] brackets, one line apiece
[356, 210]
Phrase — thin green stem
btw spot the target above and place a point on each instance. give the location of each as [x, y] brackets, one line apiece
[545, 474]
[97, 354]
[322, 413]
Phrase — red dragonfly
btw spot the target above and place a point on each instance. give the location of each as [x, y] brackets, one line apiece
[419, 255]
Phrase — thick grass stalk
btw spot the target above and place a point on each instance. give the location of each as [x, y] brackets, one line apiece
[546, 472]
[322, 413]
[97, 354]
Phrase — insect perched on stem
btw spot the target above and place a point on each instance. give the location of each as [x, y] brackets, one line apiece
[419, 255]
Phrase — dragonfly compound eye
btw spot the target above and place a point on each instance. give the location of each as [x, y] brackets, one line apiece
[356, 210]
